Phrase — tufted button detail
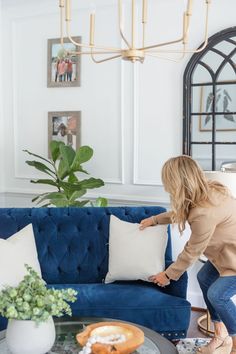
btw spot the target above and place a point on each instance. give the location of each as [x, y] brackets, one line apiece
[78, 268]
[88, 213]
[59, 270]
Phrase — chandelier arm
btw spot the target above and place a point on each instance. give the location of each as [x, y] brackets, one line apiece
[164, 58]
[133, 32]
[162, 44]
[87, 45]
[144, 32]
[120, 24]
[101, 61]
[168, 58]
[192, 50]
[89, 53]
[144, 20]
[61, 26]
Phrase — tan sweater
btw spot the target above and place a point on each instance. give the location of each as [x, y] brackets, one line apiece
[213, 233]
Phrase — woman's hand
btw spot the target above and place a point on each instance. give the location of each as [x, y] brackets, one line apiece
[147, 222]
[160, 279]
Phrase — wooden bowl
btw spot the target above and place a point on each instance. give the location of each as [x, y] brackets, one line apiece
[134, 337]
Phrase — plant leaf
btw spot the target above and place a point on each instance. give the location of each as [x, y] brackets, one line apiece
[38, 196]
[67, 154]
[85, 184]
[79, 168]
[82, 155]
[70, 187]
[79, 204]
[52, 197]
[41, 167]
[91, 183]
[77, 194]
[45, 181]
[67, 157]
[101, 202]
[54, 147]
[60, 203]
[38, 156]
[63, 171]
[72, 178]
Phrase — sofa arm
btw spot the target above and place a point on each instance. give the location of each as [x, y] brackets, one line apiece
[3, 323]
[177, 287]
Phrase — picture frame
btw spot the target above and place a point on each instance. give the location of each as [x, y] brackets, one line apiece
[65, 126]
[225, 117]
[63, 69]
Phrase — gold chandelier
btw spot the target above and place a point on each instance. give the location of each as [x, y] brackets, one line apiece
[131, 52]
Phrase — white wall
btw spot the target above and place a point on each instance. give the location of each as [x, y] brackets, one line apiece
[131, 114]
[2, 147]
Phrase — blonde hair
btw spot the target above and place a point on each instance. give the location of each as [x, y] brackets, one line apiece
[188, 187]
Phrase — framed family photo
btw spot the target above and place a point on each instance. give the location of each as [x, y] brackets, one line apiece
[63, 67]
[66, 127]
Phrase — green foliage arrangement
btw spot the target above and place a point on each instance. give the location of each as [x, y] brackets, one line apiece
[31, 300]
[61, 173]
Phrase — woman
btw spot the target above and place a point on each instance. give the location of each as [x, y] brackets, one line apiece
[211, 212]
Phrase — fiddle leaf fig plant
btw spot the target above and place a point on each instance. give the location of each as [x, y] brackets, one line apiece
[61, 171]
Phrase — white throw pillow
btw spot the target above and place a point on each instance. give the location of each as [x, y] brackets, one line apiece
[15, 252]
[133, 253]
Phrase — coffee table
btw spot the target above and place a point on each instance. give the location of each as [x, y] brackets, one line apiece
[67, 329]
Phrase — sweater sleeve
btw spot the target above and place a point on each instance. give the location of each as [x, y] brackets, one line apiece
[202, 228]
[164, 218]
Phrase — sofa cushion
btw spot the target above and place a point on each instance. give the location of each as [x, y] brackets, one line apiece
[133, 253]
[138, 302]
[15, 252]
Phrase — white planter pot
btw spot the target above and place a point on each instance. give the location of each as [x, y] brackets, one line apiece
[26, 337]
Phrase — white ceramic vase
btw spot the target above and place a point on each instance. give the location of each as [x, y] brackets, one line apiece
[26, 337]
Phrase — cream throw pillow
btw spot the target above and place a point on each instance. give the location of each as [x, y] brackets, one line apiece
[15, 252]
[135, 254]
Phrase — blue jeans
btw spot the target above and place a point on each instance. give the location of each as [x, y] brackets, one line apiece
[218, 293]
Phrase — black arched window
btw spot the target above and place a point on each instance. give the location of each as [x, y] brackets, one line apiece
[209, 125]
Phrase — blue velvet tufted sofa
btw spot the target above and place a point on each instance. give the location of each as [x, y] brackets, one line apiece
[72, 246]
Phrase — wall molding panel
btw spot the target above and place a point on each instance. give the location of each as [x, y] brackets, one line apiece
[16, 116]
